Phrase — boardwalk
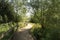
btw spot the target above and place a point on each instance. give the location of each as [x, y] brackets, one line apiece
[23, 33]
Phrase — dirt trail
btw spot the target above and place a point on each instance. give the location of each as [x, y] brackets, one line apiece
[23, 33]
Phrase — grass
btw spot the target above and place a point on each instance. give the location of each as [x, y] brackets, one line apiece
[49, 33]
[3, 29]
[22, 24]
[7, 26]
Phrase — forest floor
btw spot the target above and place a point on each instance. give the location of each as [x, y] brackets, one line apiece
[23, 33]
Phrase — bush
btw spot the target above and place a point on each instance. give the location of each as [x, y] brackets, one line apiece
[49, 33]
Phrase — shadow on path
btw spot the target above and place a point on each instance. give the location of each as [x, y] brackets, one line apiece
[23, 34]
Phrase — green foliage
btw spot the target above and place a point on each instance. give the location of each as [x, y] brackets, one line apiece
[9, 16]
[48, 15]
[50, 32]
[6, 30]
[36, 31]
[7, 12]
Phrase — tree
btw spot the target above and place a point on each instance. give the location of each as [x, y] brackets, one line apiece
[7, 11]
[46, 13]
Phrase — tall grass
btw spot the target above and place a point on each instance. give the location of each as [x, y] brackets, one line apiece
[4, 30]
[50, 32]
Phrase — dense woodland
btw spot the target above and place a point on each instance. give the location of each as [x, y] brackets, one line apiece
[45, 16]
